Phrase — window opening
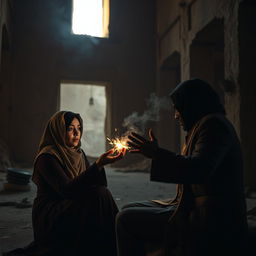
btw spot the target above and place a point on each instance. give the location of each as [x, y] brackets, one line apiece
[90, 17]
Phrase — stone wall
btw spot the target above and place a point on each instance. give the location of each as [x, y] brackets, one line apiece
[215, 41]
[6, 50]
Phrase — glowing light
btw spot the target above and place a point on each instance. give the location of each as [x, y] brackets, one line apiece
[119, 143]
[88, 17]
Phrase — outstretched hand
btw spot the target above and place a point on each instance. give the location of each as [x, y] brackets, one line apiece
[141, 145]
[110, 157]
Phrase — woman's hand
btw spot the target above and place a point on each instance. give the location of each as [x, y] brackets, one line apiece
[141, 145]
[109, 157]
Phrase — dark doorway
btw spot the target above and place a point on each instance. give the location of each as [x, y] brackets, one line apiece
[207, 55]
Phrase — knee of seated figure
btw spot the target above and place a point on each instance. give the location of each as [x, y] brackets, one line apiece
[125, 207]
[129, 205]
[121, 216]
[124, 217]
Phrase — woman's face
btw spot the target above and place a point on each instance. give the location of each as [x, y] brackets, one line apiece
[73, 135]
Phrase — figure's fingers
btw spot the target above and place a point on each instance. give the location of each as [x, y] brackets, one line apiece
[151, 135]
[137, 136]
[124, 151]
[131, 144]
[134, 151]
[120, 156]
[133, 139]
[117, 157]
[109, 152]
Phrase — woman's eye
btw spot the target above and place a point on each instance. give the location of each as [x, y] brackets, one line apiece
[70, 129]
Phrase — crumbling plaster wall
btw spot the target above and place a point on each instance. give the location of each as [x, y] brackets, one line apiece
[5, 76]
[179, 31]
[46, 52]
[5, 19]
[178, 23]
[5, 63]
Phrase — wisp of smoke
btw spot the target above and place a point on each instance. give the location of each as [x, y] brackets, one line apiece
[137, 123]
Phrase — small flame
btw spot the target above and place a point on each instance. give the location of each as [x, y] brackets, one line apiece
[118, 143]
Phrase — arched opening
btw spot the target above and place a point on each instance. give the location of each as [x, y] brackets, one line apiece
[207, 55]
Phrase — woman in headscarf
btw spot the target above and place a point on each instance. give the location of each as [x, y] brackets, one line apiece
[208, 214]
[73, 212]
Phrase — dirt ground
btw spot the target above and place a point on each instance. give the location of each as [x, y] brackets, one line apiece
[15, 223]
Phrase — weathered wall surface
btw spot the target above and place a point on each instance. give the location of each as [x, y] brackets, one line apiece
[215, 41]
[207, 38]
[46, 53]
[6, 11]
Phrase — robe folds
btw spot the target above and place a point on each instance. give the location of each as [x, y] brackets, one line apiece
[210, 219]
[73, 212]
[71, 216]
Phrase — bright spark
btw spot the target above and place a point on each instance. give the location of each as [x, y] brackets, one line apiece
[118, 143]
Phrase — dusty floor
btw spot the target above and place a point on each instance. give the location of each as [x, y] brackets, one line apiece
[15, 223]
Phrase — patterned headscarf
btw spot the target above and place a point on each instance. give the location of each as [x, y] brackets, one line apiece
[53, 142]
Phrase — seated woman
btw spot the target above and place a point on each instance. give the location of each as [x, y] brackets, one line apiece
[73, 212]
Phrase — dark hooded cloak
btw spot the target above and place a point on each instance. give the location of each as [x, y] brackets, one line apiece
[210, 218]
[194, 99]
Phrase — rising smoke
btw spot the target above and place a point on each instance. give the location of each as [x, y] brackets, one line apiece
[137, 123]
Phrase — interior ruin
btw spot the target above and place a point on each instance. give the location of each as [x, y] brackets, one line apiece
[149, 47]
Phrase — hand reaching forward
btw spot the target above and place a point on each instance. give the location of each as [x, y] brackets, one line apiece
[141, 145]
[109, 157]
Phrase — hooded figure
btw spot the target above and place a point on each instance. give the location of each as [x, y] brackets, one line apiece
[194, 99]
[213, 188]
[210, 209]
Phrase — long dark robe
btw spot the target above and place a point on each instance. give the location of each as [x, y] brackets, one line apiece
[71, 216]
[211, 215]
